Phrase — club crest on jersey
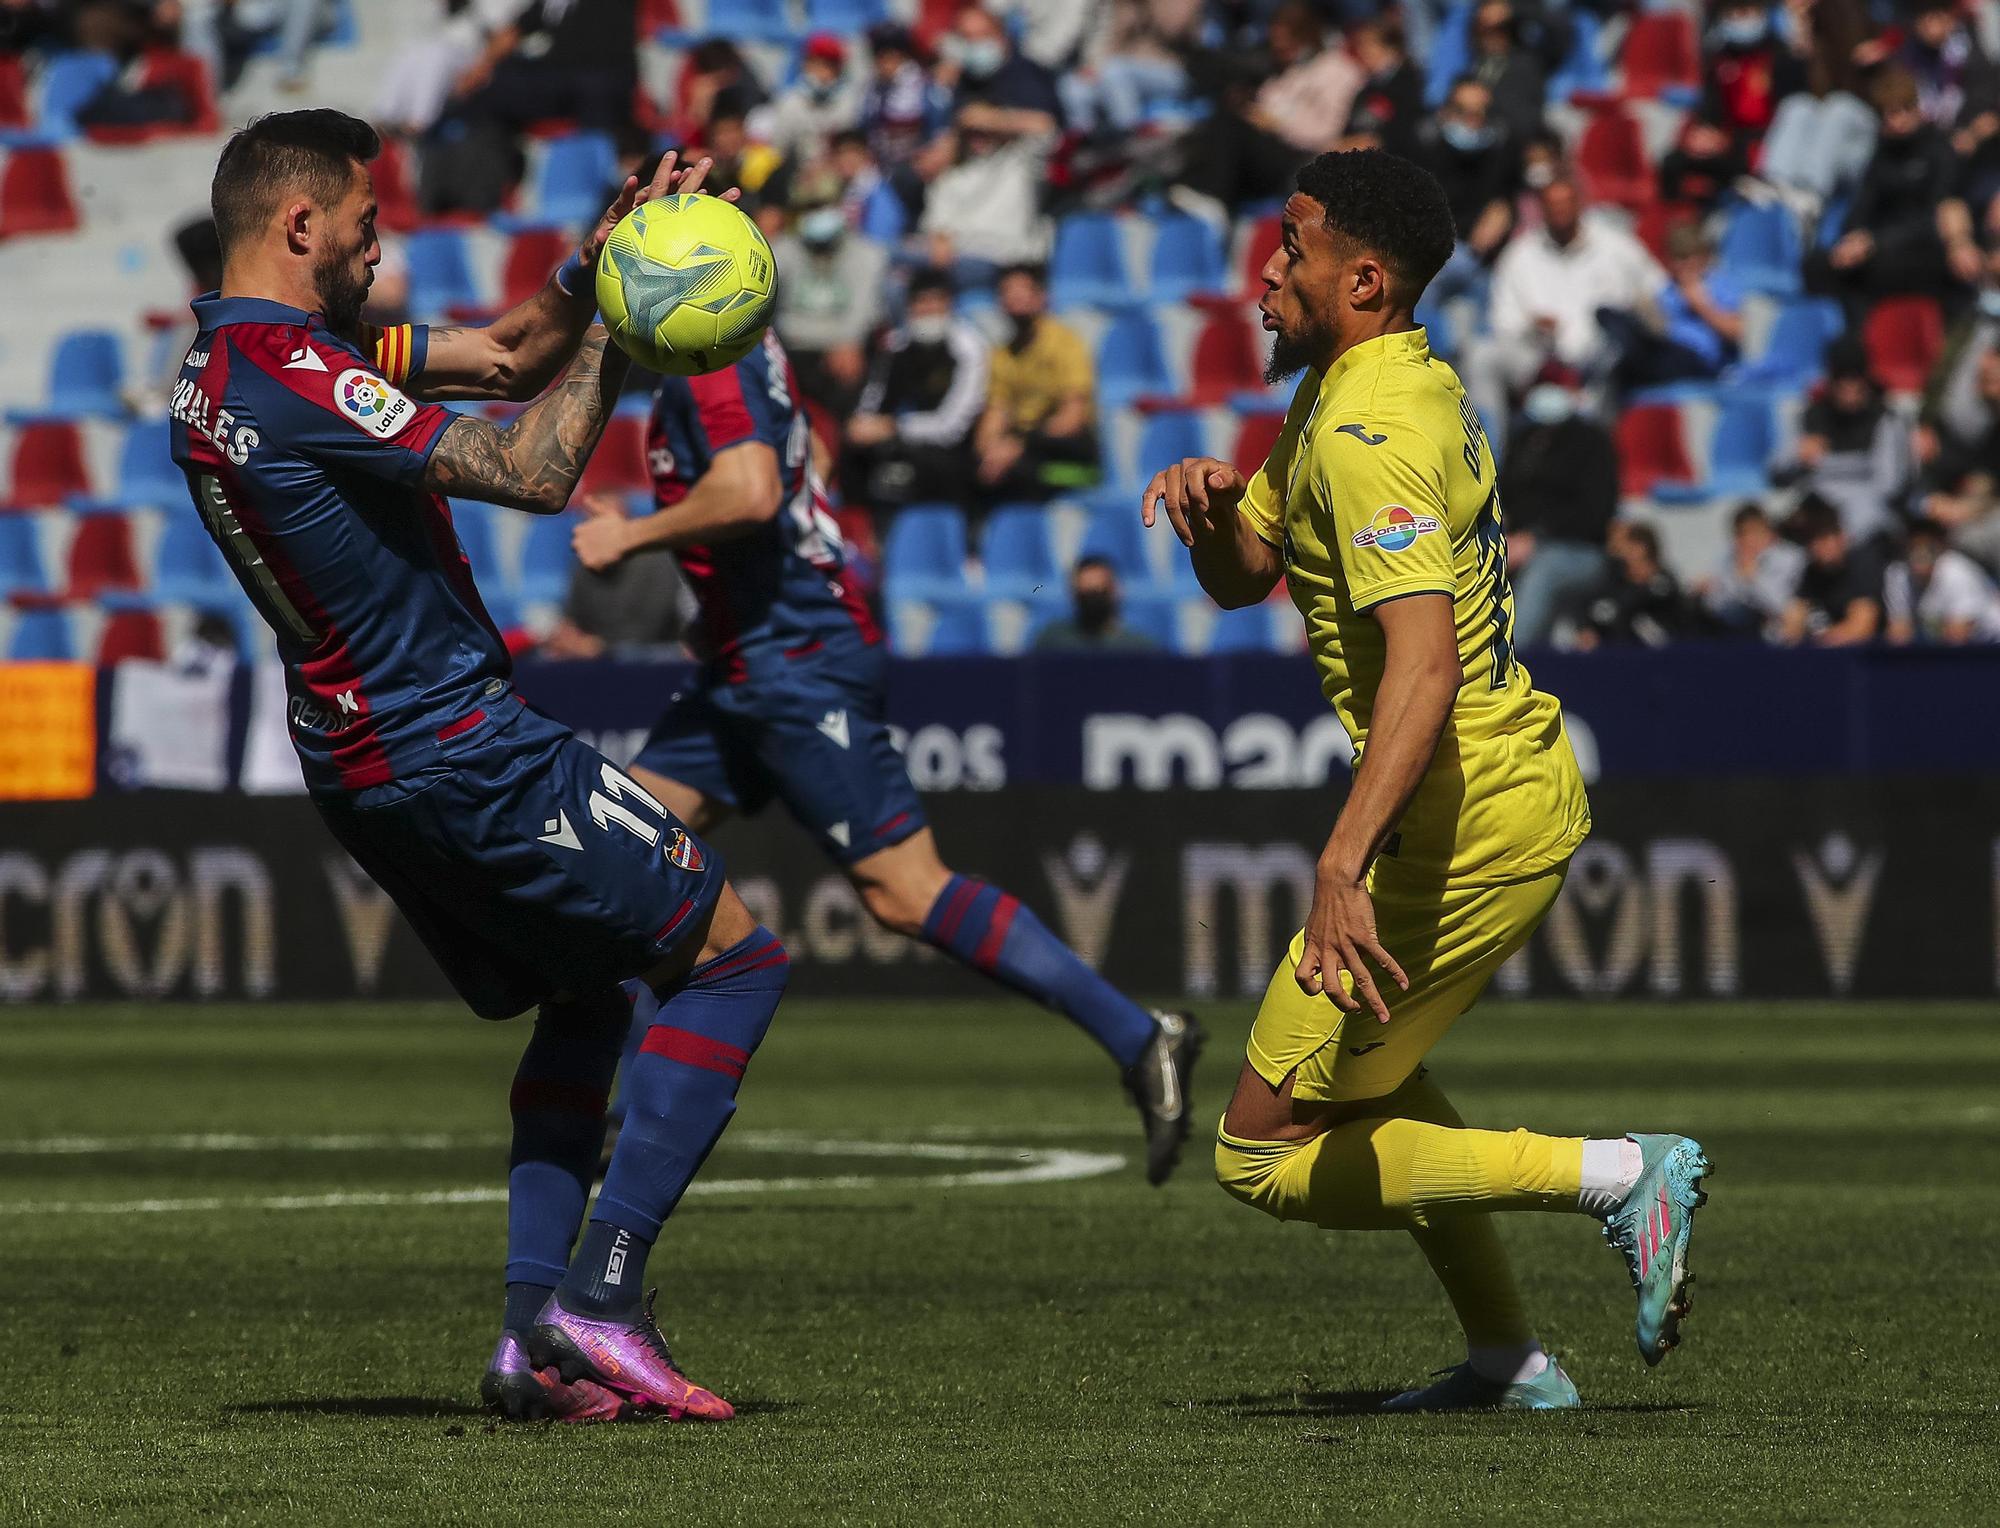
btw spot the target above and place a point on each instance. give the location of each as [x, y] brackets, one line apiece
[683, 853]
[371, 402]
[1395, 529]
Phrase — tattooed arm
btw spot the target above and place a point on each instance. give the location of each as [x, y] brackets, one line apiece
[534, 463]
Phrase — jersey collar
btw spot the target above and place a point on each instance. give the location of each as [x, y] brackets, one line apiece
[1413, 343]
[212, 310]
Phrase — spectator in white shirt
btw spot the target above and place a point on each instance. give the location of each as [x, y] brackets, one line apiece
[1549, 286]
[1749, 593]
[985, 212]
[912, 437]
[1938, 594]
[803, 118]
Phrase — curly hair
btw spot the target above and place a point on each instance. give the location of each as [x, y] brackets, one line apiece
[1388, 206]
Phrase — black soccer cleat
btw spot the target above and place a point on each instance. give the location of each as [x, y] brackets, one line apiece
[1159, 1082]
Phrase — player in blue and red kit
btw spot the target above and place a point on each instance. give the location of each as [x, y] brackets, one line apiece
[536, 873]
[790, 707]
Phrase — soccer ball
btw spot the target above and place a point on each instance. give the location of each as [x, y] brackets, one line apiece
[685, 284]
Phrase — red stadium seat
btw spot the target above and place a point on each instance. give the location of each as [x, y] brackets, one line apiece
[1225, 359]
[1256, 250]
[131, 634]
[186, 76]
[1259, 432]
[659, 16]
[48, 466]
[531, 258]
[1904, 336]
[619, 463]
[1661, 53]
[1657, 219]
[395, 201]
[1611, 157]
[1651, 449]
[35, 195]
[102, 559]
[13, 91]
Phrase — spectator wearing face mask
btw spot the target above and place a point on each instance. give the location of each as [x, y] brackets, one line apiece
[1637, 603]
[1937, 594]
[1706, 162]
[801, 122]
[1468, 152]
[1094, 624]
[1559, 481]
[1746, 70]
[1838, 600]
[1506, 64]
[830, 284]
[925, 391]
[1853, 452]
[1015, 97]
[1691, 331]
[1038, 436]
[1748, 593]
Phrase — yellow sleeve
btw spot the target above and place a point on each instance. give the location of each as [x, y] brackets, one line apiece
[1383, 487]
[1263, 502]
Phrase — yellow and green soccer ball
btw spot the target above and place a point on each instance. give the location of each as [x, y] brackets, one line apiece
[686, 284]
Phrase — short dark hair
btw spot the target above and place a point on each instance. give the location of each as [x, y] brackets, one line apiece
[1387, 205]
[1033, 270]
[1644, 537]
[1748, 512]
[284, 154]
[1091, 560]
[1924, 528]
[1813, 519]
[932, 279]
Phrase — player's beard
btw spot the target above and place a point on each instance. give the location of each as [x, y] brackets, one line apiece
[341, 296]
[1293, 351]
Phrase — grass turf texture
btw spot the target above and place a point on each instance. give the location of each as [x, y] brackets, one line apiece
[1089, 1351]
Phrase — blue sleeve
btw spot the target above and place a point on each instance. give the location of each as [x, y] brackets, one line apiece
[325, 404]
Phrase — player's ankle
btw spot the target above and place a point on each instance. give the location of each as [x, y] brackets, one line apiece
[1610, 1170]
[1513, 1364]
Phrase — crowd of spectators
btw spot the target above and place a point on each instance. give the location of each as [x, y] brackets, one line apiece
[911, 177]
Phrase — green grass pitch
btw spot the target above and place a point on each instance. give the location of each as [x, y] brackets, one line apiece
[910, 1347]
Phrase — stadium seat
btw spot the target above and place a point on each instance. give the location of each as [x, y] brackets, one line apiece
[1761, 248]
[1019, 555]
[1738, 454]
[1087, 264]
[395, 200]
[531, 258]
[751, 21]
[958, 629]
[1254, 439]
[1226, 359]
[48, 466]
[1154, 615]
[130, 634]
[1904, 336]
[546, 560]
[13, 93]
[619, 463]
[1582, 68]
[70, 82]
[87, 375]
[570, 183]
[1116, 534]
[1258, 243]
[843, 18]
[1130, 360]
[147, 476]
[102, 558]
[885, 217]
[658, 16]
[1612, 159]
[35, 195]
[1248, 630]
[1795, 348]
[1187, 259]
[925, 551]
[188, 567]
[1651, 449]
[21, 568]
[1662, 57]
[1166, 438]
[1450, 54]
[42, 636]
[440, 272]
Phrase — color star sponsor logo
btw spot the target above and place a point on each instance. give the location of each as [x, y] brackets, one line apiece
[1395, 529]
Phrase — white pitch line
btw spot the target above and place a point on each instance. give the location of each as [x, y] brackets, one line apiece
[1030, 1166]
[746, 1140]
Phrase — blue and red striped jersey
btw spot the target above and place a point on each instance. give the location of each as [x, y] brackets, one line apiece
[306, 464]
[785, 585]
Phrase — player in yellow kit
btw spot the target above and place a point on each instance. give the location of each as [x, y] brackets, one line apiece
[1378, 508]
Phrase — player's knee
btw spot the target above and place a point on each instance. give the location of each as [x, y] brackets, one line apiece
[1252, 1171]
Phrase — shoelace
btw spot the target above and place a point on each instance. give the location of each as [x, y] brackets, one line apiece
[650, 1334]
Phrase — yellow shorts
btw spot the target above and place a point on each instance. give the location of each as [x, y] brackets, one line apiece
[1449, 941]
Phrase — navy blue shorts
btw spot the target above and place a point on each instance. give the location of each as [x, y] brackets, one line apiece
[807, 731]
[529, 865]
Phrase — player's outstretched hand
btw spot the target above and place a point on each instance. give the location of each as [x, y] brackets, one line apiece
[668, 180]
[1200, 494]
[603, 537]
[1340, 936]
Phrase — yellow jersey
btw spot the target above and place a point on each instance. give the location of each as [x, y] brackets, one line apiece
[1382, 485]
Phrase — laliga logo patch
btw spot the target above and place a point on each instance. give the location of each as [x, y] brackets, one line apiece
[1395, 529]
[371, 402]
[684, 853]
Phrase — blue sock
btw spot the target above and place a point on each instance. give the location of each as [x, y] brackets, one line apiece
[991, 932]
[558, 1109]
[645, 1008]
[679, 1094]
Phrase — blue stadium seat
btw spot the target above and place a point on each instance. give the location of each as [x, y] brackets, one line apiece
[843, 18]
[440, 272]
[1169, 437]
[1130, 360]
[1795, 349]
[570, 185]
[87, 375]
[958, 629]
[1583, 68]
[1187, 258]
[546, 560]
[1154, 615]
[1116, 533]
[1087, 264]
[70, 82]
[884, 216]
[1249, 630]
[1451, 53]
[42, 636]
[1761, 248]
[925, 552]
[188, 567]
[147, 476]
[21, 569]
[751, 21]
[480, 537]
[1020, 558]
[1438, 330]
[1739, 454]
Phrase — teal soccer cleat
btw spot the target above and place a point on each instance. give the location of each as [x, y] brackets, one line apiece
[1651, 1229]
[1462, 1389]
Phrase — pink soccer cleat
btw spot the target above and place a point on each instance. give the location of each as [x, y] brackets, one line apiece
[519, 1391]
[628, 1358]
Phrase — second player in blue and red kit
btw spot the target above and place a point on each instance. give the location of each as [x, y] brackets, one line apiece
[790, 707]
